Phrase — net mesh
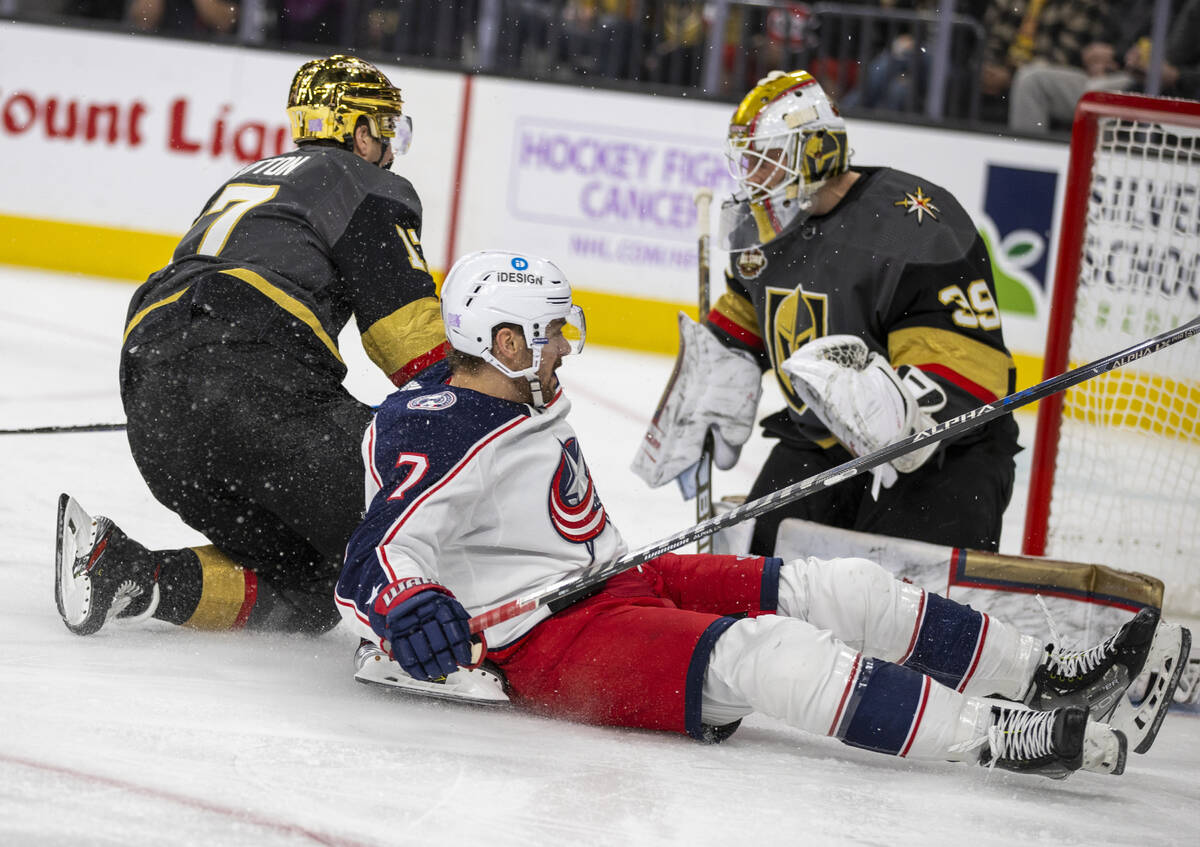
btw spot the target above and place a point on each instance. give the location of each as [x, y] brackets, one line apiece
[1127, 475]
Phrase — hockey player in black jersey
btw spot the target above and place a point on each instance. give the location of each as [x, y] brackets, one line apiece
[868, 292]
[231, 375]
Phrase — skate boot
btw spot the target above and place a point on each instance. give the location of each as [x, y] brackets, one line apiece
[1098, 676]
[99, 573]
[1053, 744]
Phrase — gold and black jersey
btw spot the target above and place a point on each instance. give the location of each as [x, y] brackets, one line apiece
[287, 250]
[898, 263]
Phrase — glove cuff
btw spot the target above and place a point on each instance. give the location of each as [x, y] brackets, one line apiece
[392, 595]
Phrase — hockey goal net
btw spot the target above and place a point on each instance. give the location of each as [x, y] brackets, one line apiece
[1116, 462]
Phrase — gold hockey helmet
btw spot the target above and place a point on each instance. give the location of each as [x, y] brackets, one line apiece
[328, 96]
[786, 131]
[786, 139]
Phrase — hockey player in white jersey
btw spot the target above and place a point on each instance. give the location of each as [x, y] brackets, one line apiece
[478, 491]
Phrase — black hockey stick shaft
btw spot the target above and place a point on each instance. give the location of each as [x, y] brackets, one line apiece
[44, 430]
[561, 594]
[704, 498]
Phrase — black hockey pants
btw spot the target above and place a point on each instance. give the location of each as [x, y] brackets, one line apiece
[256, 451]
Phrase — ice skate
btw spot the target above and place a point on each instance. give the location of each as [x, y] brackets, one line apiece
[475, 685]
[1053, 744]
[95, 576]
[1098, 676]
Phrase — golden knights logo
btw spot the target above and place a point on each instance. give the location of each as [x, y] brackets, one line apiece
[822, 155]
[793, 317]
[575, 509]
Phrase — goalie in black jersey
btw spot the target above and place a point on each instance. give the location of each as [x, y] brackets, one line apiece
[231, 375]
[868, 292]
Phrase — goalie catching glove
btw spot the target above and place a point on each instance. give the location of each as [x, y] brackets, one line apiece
[712, 389]
[861, 400]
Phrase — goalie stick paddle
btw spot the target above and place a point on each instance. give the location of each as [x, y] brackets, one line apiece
[44, 430]
[563, 593]
[704, 501]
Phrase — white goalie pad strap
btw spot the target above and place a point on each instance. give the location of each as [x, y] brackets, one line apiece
[859, 398]
[712, 389]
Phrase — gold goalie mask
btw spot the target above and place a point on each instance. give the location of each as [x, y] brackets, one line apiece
[328, 96]
[786, 139]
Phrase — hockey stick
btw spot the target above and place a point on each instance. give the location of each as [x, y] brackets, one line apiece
[704, 502]
[561, 594]
[43, 430]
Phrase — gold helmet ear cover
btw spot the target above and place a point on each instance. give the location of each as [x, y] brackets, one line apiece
[822, 155]
[328, 96]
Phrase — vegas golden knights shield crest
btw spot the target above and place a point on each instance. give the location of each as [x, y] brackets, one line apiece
[794, 317]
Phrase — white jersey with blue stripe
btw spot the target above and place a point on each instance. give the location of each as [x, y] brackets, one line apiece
[488, 497]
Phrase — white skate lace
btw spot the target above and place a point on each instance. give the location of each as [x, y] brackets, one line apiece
[1068, 664]
[1020, 735]
[1014, 735]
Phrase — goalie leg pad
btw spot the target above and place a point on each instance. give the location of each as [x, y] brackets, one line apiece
[712, 388]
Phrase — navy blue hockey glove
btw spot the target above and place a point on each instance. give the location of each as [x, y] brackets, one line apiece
[429, 631]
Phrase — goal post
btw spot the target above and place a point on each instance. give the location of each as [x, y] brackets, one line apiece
[1115, 473]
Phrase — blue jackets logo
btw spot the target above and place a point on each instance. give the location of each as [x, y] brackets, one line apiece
[433, 402]
[575, 509]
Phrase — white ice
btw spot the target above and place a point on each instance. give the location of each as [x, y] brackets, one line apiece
[151, 734]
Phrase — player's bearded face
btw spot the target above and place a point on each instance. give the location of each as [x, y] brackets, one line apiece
[388, 156]
[552, 355]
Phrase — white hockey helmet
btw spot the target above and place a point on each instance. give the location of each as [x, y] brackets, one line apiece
[493, 287]
[785, 140]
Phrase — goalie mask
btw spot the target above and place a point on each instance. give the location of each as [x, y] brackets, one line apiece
[328, 96]
[492, 287]
[786, 140]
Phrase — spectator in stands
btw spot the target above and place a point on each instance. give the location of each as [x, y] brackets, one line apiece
[677, 56]
[896, 77]
[1055, 32]
[1045, 95]
[1181, 70]
[184, 17]
[888, 82]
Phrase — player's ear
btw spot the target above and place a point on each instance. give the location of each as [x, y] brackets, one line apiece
[362, 138]
[508, 344]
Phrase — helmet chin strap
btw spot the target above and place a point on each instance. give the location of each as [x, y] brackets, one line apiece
[530, 373]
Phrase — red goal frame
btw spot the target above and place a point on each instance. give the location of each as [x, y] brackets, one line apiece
[1092, 108]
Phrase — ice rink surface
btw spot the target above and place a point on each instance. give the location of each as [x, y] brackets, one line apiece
[151, 734]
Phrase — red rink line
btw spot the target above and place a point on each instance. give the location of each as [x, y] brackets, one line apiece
[573, 389]
[183, 800]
